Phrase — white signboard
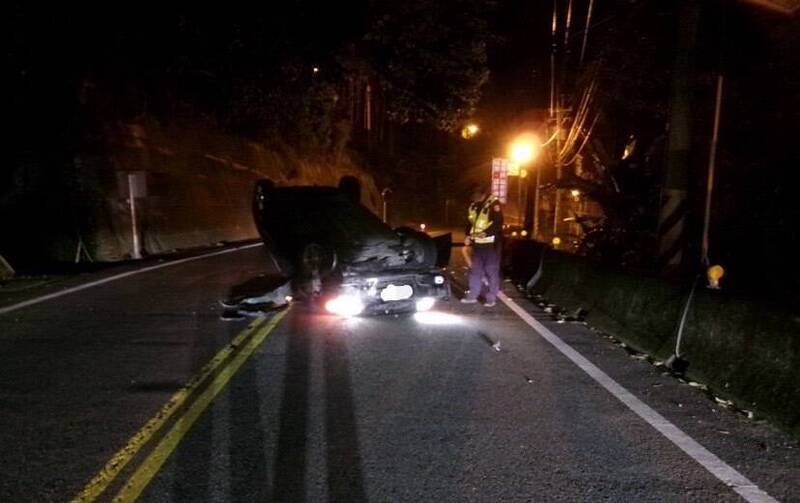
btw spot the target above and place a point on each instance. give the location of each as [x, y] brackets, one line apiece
[500, 179]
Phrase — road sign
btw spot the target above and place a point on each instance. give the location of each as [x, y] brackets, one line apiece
[500, 179]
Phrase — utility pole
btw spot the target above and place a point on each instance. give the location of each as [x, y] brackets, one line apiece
[712, 155]
[537, 182]
[711, 167]
[557, 162]
[555, 112]
[553, 46]
[674, 202]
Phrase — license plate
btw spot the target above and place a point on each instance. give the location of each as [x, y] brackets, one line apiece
[396, 292]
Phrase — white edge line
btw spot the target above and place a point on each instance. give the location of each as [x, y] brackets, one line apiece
[721, 470]
[61, 293]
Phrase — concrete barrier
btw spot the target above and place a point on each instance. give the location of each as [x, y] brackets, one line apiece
[744, 349]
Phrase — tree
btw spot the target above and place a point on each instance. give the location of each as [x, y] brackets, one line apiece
[430, 58]
[614, 152]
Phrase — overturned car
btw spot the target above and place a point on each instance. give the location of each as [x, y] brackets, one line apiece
[337, 251]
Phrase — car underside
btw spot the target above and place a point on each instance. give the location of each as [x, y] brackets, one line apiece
[337, 252]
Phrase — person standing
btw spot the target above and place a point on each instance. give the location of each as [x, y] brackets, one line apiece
[483, 236]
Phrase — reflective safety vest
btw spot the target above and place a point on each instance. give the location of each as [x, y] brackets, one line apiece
[479, 220]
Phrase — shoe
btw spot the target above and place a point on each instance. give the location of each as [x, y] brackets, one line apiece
[491, 303]
[467, 300]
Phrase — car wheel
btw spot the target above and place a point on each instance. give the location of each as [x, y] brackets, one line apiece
[317, 259]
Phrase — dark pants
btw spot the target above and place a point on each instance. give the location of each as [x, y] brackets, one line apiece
[485, 264]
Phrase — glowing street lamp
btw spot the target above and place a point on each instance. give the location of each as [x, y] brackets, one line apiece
[522, 153]
[524, 148]
[469, 131]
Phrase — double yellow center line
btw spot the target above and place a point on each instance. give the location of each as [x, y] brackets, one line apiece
[192, 400]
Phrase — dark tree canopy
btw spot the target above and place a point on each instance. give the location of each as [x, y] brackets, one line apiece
[279, 71]
[430, 58]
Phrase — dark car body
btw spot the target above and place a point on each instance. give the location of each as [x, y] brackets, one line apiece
[333, 245]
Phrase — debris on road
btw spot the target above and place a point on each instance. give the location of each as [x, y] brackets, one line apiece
[723, 402]
[488, 340]
[557, 313]
[240, 307]
[698, 385]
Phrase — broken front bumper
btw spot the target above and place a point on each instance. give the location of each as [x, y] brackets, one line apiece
[388, 293]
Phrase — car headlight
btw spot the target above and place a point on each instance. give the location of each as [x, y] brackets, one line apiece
[345, 305]
[425, 303]
[438, 280]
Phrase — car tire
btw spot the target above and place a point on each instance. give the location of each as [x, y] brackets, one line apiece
[317, 258]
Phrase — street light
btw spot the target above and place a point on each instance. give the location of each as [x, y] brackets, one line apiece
[524, 148]
[469, 131]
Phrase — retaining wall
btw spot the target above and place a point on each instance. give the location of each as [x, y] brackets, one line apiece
[744, 349]
[199, 192]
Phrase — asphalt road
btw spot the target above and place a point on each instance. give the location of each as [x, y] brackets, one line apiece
[308, 407]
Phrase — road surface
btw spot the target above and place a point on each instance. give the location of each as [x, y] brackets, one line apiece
[132, 387]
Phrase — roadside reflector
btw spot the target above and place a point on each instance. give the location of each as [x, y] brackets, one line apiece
[715, 273]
